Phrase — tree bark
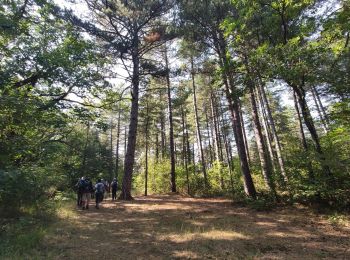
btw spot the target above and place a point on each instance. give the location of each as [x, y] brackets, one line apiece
[162, 135]
[245, 140]
[189, 155]
[229, 158]
[273, 130]
[111, 154]
[219, 129]
[267, 128]
[300, 94]
[216, 130]
[233, 102]
[171, 129]
[117, 147]
[323, 110]
[125, 140]
[320, 114]
[209, 137]
[146, 154]
[262, 149]
[184, 152]
[157, 144]
[302, 137]
[199, 136]
[84, 171]
[130, 152]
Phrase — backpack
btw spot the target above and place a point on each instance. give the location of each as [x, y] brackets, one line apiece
[114, 185]
[81, 185]
[87, 187]
[99, 187]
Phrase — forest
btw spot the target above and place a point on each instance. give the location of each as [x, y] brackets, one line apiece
[246, 101]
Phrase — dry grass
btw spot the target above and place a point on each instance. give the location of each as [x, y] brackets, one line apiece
[174, 227]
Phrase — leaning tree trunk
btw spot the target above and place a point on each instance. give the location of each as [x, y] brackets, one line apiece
[233, 103]
[249, 187]
[219, 129]
[265, 161]
[302, 137]
[267, 128]
[199, 136]
[130, 152]
[245, 140]
[300, 93]
[273, 130]
[171, 129]
[323, 110]
[323, 121]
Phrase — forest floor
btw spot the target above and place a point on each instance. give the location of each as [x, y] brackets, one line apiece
[176, 227]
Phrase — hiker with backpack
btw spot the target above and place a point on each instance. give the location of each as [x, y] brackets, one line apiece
[99, 191]
[88, 189]
[80, 187]
[114, 185]
[106, 184]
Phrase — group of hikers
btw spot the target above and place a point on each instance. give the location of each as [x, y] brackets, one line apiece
[86, 190]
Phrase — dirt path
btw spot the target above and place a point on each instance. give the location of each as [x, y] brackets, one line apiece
[170, 227]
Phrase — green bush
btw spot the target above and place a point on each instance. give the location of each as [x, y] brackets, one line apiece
[25, 190]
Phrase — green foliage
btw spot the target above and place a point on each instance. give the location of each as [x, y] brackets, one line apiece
[19, 237]
[26, 190]
[158, 177]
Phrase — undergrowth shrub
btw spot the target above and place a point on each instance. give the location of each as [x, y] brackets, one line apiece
[27, 190]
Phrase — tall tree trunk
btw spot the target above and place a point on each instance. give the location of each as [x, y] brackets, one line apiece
[146, 168]
[300, 93]
[267, 129]
[213, 134]
[228, 156]
[216, 130]
[84, 170]
[146, 154]
[209, 137]
[157, 144]
[201, 154]
[125, 140]
[262, 149]
[193, 159]
[189, 155]
[130, 152]
[233, 102]
[162, 135]
[245, 140]
[302, 136]
[273, 129]
[171, 130]
[223, 120]
[117, 147]
[320, 114]
[111, 153]
[217, 115]
[184, 145]
[323, 110]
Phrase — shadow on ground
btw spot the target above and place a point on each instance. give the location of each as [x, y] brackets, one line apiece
[170, 227]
